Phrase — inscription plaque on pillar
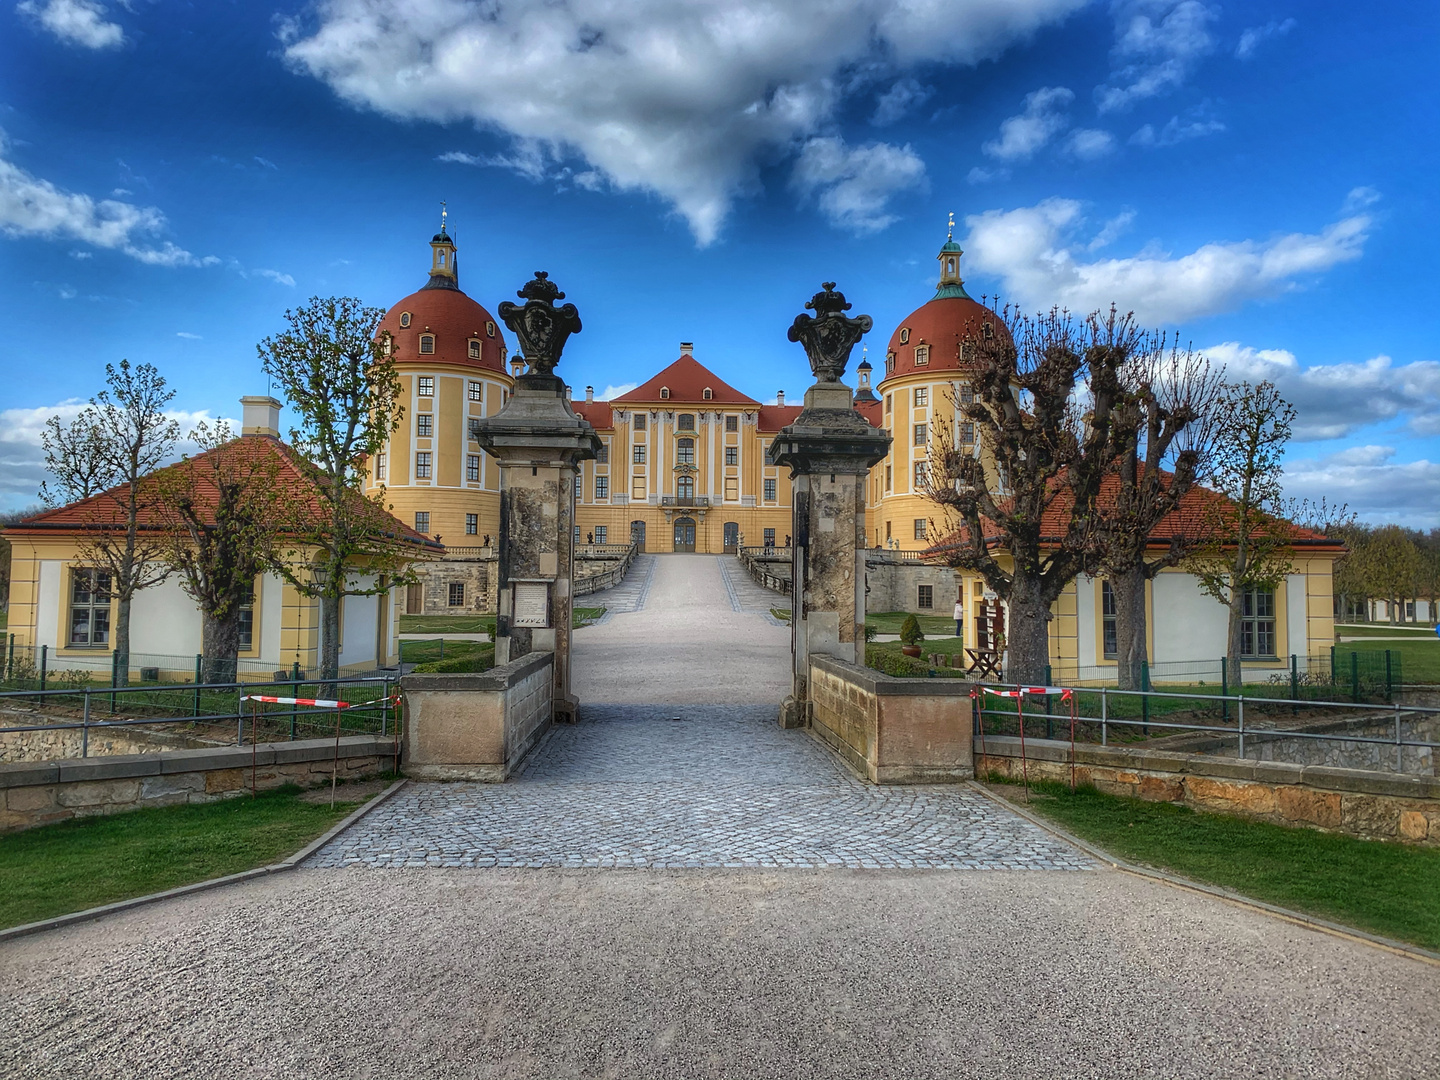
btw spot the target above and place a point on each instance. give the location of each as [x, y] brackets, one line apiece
[531, 604]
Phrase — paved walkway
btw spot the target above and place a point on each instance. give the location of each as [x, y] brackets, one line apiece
[713, 787]
[681, 642]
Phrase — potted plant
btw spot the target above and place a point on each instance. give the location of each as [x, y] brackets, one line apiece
[910, 636]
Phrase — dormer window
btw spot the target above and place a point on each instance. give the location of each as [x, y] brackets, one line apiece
[489, 329]
[922, 355]
[687, 421]
[904, 335]
[664, 392]
[474, 348]
[889, 363]
[427, 343]
[706, 394]
[404, 319]
[387, 344]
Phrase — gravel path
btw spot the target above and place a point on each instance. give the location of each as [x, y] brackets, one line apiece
[440, 974]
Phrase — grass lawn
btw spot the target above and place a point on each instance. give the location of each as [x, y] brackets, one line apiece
[446, 624]
[1419, 630]
[432, 649]
[1419, 660]
[1388, 889]
[82, 863]
[584, 616]
[781, 613]
[888, 622]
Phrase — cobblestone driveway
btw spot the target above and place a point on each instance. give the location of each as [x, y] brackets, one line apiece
[722, 786]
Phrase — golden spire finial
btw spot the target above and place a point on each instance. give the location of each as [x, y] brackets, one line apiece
[950, 232]
[444, 214]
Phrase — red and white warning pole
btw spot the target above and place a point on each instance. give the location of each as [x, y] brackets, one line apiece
[1019, 693]
[317, 703]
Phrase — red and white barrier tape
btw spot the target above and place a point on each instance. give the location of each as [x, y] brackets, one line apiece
[319, 703]
[1021, 691]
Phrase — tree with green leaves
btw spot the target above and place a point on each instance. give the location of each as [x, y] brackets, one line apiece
[106, 454]
[219, 512]
[347, 395]
[1247, 546]
[1392, 567]
[1044, 404]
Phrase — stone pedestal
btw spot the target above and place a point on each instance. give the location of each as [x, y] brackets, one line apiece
[539, 443]
[829, 450]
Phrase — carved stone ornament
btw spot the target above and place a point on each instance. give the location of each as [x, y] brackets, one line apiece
[829, 336]
[541, 328]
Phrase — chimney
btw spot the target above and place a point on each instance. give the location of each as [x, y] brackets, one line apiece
[687, 348]
[780, 397]
[589, 394]
[260, 415]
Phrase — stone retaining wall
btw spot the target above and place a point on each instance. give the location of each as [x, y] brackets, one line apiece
[37, 793]
[67, 743]
[891, 730]
[1373, 805]
[477, 727]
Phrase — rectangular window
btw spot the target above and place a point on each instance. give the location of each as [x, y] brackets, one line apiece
[769, 490]
[247, 623]
[926, 597]
[1257, 623]
[922, 355]
[637, 488]
[922, 470]
[967, 396]
[602, 487]
[639, 421]
[90, 608]
[922, 397]
[427, 386]
[1110, 636]
[889, 401]
[887, 530]
[424, 425]
[919, 528]
[476, 391]
[637, 455]
[457, 593]
[732, 488]
[967, 434]
[474, 349]
[579, 486]
[769, 537]
[732, 423]
[889, 477]
[920, 434]
[732, 455]
[422, 465]
[380, 466]
[472, 524]
[602, 456]
[422, 521]
[577, 535]
[601, 532]
[685, 452]
[472, 467]
[686, 421]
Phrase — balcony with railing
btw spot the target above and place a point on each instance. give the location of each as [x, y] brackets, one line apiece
[701, 501]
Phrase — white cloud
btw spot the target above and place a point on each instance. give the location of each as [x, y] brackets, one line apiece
[1334, 400]
[30, 206]
[1175, 131]
[266, 163]
[1359, 198]
[22, 457]
[1112, 230]
[75, 22]
[980, 175]
[854, 183]
[275, 275]
[1251, 38]
[1031, 250]
[1090, 144]
[1372, 483]
[1157, 45]
[611, 392]
[1022, 135]
[905, 95]
[188, 336]
[684, 101]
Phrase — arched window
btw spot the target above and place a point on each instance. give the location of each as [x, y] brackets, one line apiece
[474, 348]
[664, 392]
[706, 394]
[685, 487]
[489, 329]
[685, 452]
[427, 343]
[686, 421]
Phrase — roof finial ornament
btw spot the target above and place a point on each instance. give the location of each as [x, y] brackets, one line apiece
[950, 233]
[444, 214]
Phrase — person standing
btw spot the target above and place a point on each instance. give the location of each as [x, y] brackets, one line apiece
[959, 617]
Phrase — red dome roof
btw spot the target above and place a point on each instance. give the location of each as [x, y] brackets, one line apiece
[942, 325]
[454, 320]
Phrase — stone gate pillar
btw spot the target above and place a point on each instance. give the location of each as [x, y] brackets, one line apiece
[829, 450]
[539, 443]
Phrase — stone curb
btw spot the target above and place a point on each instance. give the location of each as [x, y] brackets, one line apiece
[1413, 952]
[89, 914]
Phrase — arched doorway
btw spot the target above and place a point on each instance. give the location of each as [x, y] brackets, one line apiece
[685, 534]
[732, 537]
[637, 534]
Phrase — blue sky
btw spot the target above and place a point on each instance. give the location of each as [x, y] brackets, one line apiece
[1258, 178]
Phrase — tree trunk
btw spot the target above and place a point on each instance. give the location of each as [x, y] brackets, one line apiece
[122, 642]
[329, 638]
[220, 643]
[1130, 654]
[1028, 639]
[1232, 638]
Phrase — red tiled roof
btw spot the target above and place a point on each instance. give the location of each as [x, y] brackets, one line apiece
[686, 380]
[454, 319]
[942, 324]
[775, 417]
[103, 511]
[872, 411]
[596, 413]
